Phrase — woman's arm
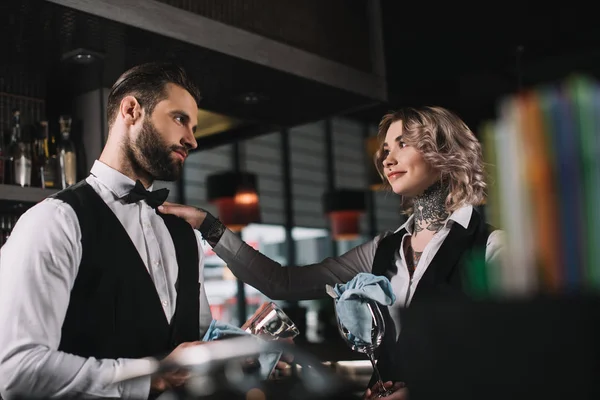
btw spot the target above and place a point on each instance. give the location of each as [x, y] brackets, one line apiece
[268, 276]
[294, 282]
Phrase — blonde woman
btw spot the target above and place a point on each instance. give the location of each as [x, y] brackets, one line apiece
[432, 159]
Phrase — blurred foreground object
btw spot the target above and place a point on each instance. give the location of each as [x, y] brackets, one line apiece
[545, 348]
[219, 371]
[544, 160]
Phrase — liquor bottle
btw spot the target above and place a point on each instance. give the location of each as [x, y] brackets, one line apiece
[38, 156]
[9, 223]
[3, 229]
[11, 147]
[3, 155]
[67, 163]
[21, 153]
[48, 173]
[51, 170]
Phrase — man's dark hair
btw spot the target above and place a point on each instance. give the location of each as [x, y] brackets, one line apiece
[146, 82]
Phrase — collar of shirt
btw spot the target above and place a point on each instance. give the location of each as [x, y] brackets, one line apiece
[116, 182]
[461, 216]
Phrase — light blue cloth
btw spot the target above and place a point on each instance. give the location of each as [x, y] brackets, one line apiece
[351, 304]
[216, 330]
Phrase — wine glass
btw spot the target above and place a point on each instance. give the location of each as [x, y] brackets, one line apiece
[270, 320]
[377, 334]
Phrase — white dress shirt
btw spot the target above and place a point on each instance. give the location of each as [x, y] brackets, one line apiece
[404, 286]
[38, 267]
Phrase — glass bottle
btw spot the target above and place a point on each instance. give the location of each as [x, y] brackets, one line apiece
[65, 154]
[21, 153]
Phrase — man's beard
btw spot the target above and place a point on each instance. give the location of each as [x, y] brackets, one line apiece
[152, 157]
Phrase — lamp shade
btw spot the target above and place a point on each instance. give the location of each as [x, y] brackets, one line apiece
[374, 180]
[236, 196]
[344, 208]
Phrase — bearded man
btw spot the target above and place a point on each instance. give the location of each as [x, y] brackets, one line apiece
[95, 278]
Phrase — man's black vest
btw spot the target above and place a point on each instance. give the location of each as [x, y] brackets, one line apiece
[114, 309]
[444, 278]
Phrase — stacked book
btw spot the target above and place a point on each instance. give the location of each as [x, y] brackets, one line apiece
[543, 159]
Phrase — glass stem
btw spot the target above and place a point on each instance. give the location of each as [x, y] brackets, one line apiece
[379, 381]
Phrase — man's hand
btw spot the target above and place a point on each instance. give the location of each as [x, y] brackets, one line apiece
[194, 216]
[285, 358]
[399, 389]
[283, 367]
[172, 379]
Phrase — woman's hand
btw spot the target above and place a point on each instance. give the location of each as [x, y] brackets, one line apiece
[194, 216]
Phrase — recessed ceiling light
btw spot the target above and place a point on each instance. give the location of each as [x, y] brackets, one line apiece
[81, 56]
[252, 98]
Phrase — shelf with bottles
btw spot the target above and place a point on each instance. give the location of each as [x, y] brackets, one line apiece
[34, 164]
[24, 194]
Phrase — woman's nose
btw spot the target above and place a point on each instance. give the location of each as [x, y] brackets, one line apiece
[389, 160]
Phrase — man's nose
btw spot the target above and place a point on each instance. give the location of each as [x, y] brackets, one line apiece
[189, 141]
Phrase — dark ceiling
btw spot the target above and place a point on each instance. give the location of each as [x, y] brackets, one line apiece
[465, 57]
[458, 56]
[35, 35]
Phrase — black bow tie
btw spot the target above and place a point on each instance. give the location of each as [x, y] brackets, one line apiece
[139, 192]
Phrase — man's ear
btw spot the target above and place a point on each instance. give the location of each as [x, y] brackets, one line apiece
[131, 110]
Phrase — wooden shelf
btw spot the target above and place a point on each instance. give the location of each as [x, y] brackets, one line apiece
[24, 194]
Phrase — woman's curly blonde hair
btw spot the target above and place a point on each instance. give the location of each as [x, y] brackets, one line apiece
[447, 144]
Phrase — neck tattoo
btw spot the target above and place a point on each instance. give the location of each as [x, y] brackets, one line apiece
[430, 209]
